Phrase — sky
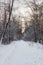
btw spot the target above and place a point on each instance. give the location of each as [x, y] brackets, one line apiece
[20, 7]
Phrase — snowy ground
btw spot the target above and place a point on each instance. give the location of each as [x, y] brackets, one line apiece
[21, 53]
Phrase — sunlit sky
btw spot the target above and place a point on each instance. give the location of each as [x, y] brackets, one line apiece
[20, 7]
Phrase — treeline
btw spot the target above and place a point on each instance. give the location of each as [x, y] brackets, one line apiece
[35, 31]
[11, 30]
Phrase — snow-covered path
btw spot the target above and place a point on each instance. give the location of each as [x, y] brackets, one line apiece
[21, 53]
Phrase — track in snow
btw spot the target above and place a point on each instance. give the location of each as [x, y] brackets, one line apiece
[21, 53]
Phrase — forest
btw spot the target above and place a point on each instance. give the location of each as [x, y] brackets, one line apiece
[27, 27]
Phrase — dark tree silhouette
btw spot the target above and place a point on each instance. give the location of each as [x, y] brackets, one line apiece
[10, 12]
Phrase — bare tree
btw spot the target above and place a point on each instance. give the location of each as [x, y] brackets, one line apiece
[34, 16]
[10, 12]
[40, 18]
[37, 20]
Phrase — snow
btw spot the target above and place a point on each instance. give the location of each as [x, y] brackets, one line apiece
[21, 53]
